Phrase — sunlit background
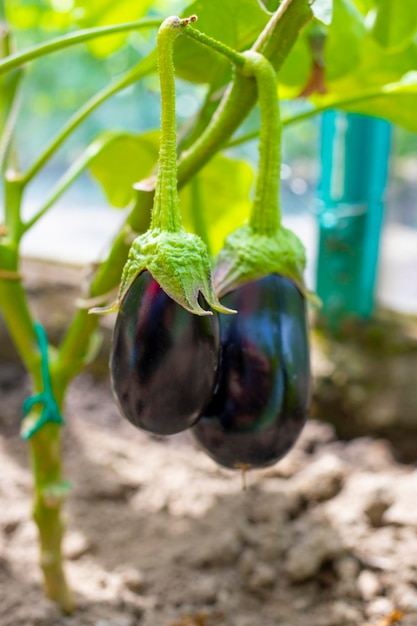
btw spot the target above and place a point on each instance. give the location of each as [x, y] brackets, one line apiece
[80, 226]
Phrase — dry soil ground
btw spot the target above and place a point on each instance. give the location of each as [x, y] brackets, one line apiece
[158, 535]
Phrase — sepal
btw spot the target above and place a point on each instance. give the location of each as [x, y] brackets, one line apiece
[179, 263]
[248, 255]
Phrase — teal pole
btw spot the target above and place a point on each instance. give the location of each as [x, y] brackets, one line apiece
[354, 158]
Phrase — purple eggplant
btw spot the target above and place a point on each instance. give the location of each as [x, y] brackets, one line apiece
[262, 396]
[163, 361]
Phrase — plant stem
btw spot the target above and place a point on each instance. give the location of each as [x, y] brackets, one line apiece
[143, 68]
[45, 447]
[265, 217]
[44, 444]
[270, 28]
[235, 57]
[165, 212]
[17, 59]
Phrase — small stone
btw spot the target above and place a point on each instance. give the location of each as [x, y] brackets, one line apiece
[76, 545]
[401, 513]
[369, 585]
[247, 562]
[225, 551]
[376, 506]
[344, 614]
[322, 480]
[347, 570]
[263, 577]
[405, 598]
[380, 607]
[133, 579]
[204, 590]
[311, 549]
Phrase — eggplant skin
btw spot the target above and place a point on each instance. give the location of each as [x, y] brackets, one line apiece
[262, 396]
[163, 360]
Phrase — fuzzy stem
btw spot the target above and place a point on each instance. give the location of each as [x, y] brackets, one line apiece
[17, 59]
[235, 57]
[166, 213]
[265, 216]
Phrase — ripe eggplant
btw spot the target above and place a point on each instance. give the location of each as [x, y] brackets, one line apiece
[262, 396]
[163, 361]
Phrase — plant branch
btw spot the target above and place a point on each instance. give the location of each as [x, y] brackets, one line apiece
[17, 59]
[260, 43]
[235, 57]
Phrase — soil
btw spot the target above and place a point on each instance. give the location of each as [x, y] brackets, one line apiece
[158, 535]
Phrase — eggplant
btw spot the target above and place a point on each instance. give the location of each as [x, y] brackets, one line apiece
[262, 397]
[163, 360]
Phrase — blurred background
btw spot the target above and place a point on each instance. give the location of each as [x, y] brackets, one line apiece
[72, 233]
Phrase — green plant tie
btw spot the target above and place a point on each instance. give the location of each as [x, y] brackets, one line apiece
[50, 411]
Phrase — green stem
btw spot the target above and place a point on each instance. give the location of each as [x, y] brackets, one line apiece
[17, 59]
[235, 57]
[265, 216]
[166, 213]
[13, 99]
[143, 68]
[45, 448]
[269, 31]
[45, 444]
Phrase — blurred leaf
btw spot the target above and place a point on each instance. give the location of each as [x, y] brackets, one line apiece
[344, 40]
[323, 11]
[395, 23]
[217, 200]
[397, 102]
[237, 24]
[90, 13]
[296, 67]
[122, 162]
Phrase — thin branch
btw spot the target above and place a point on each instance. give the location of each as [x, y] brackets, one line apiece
[270, 27]
[80, 36]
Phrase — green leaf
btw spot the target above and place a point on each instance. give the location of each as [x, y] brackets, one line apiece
[101, 12]
[296, 67]
[395, 23]
[122, 162]
[343, 47]
[323, 11]
[217, 201]
[396, 102]
[236, 24]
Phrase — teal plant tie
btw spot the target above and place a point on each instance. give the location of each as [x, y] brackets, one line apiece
[50, 411]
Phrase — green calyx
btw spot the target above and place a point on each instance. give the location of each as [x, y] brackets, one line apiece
[248, 255]
[179, 262]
